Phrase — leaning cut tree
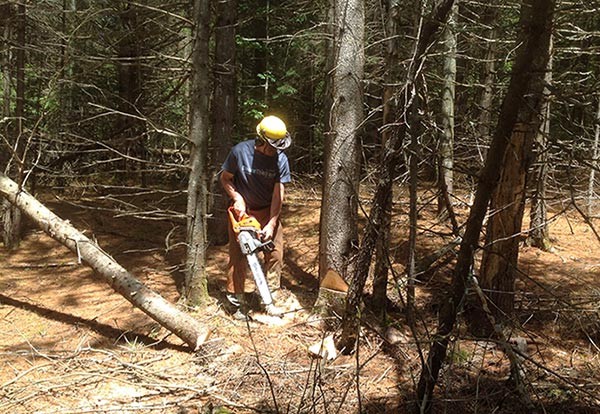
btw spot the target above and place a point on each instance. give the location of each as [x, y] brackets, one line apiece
[181, 324]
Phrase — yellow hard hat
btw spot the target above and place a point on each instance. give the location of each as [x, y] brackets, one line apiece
[273, 131]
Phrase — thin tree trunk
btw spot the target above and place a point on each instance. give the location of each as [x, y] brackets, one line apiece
[196, 286]
[380, 275]
[223, 114]
[415, 132]
[536, 20]
[488, 79]
[446, 144]
[595, 164]
[123, 282]
[11, 220]
[539, 233]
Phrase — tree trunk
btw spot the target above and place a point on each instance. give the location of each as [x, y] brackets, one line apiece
[123, 282]
[446, 144]
[130, 53]
[338, 235]
[415, 132]
[486, 100]
[11, 219]
[382, 252]
[389, 161]
[539, 233]
[595, 164]
[5, 58]
[224, 107]
[536, 25]
[195, 288]
[499, 263]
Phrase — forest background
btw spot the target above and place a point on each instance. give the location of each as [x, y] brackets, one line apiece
[442, 143]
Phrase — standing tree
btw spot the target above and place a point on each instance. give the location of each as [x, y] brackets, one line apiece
[446, 141]
[539, 233]
[595, 162]
[338, 234]
[224, 107]
[390, 98]
[195, 289]
[11, 220]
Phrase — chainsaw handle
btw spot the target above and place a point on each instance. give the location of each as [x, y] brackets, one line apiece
[245, 221]
[268, 246]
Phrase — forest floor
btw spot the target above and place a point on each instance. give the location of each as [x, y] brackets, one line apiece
[69, 344]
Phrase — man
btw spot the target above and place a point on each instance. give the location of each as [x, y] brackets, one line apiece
[253, 176]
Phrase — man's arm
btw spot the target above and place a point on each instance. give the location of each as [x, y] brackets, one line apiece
[276, 205]
[239, 205]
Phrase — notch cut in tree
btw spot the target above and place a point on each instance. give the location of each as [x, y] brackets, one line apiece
[180, 323]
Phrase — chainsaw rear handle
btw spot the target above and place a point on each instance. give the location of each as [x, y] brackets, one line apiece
[245, 222]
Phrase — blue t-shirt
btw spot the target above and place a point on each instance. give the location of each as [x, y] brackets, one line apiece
[255, 174]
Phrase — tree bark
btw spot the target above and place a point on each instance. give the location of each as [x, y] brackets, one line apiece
[536, 24]
[123, 282]
[446, 143]
[500, 254]
[488, 80]
[196, 285]
[338, 234]
[11, 219]
[501, 251]
[596, 151]
[539, 233]
[224, 107]
[382, 250]
[130, 71]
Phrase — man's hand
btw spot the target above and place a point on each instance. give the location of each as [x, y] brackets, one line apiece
[267, 232]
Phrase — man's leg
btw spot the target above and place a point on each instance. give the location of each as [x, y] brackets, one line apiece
[236, 268]
[274, 260]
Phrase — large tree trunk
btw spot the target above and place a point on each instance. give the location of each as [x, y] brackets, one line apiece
[123, 282]
[499, 263]
[338, 237]
[224, 107]
[196, 288]
[389, 160]
[536, 22]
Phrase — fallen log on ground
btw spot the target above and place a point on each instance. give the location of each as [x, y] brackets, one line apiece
[180, 323]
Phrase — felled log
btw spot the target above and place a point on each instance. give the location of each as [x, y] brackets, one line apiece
[180, 323]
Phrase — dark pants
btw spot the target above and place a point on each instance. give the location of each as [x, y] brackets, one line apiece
[237, 269]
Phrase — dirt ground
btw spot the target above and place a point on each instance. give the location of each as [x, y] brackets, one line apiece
[69, 344]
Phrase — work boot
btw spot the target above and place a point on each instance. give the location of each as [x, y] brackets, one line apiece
[238, 300]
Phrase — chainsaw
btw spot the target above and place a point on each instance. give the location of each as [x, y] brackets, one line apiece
[247, 230]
